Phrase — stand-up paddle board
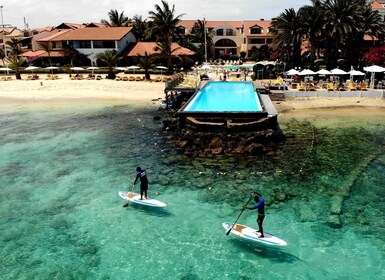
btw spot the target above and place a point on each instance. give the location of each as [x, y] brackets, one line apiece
[252, 234]
[135, 197]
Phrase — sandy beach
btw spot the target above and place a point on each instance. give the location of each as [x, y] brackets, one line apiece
[65, 89]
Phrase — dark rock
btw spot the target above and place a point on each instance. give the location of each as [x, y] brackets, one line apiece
[334, 221]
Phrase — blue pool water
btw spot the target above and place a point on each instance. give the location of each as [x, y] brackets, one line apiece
[234, 67]
[225, 97]
[62, 166]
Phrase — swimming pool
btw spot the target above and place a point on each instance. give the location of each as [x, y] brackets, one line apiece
[224, 98]
[234, 67]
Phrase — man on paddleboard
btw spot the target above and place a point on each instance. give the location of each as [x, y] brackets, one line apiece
[141, 175]
[260, 205]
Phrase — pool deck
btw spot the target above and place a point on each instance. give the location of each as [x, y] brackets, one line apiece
[268, 106]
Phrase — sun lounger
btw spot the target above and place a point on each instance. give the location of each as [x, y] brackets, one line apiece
[301, 87]
[330, 87]
[352, 86]
[363, 86]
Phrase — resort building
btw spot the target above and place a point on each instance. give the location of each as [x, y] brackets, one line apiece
[233, 37]
[88, 40]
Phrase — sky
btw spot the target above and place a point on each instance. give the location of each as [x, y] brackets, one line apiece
[42, 13]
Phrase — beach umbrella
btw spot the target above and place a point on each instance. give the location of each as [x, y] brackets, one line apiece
[77, 68]
[292, 72]
[323, 72]
[52, 68]
[93, 68]
[373, 69]
[133, 67]
[337, 71]
[161, 68]
[355, 73]
[5, 69]
[306, 72]
[206, 67]
[31, 68]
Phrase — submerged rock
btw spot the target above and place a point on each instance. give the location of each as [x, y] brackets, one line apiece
[334, 221]
[336, 205]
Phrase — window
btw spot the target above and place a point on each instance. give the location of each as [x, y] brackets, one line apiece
[84, 44]
[269, 40]
[230, 32]
[255, 30]
[219, 32]
[104, 44]
[257, 41]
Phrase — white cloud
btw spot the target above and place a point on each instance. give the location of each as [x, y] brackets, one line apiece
[40, 13]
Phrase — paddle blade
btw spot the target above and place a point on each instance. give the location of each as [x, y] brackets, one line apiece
[228, 232]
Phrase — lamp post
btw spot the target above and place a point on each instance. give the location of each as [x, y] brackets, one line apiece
[2, 26]
[204, 25]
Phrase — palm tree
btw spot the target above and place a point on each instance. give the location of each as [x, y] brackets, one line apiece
[48, 49]
[342, 23]
[198, 35]
[313, 22]
[164, 20]
[141, 27]
[146, 62]
[14, 46]
[116, 19]
[2, 55]
[166, 51]
[110, 57]
[16, 61]
[288, 31]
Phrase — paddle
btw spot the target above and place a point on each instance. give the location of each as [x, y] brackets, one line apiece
[243, 209]
[133, 185]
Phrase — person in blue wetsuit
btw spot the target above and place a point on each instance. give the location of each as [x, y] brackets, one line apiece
[142, 176]
[260, 205]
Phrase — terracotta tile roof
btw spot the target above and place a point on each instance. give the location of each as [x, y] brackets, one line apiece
[140, 48]
[376, 6]
[42, 53]
[95, 24]
[66, 25]
[264, 24]
[214, 24]
[51, 36]
[95, 33]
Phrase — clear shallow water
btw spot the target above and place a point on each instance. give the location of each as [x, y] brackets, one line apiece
[62, 165]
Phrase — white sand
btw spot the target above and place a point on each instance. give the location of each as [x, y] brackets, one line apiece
[65, 89]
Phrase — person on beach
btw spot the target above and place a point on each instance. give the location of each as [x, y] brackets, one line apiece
[260, 205]
[142, 176]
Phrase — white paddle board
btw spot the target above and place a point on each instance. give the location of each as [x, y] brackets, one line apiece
[252, 234]
[135, 197]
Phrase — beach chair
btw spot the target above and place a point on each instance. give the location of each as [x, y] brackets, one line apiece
[352, 86]
[9, 78]
[117, 78]
[301, 87]
[131, 78]
[158, 79]
[363, 87]
[29, 77]
[330, 87]
[138, 78]
[125, 78]
[48, 77]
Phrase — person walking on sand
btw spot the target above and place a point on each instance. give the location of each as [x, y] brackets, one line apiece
[142, 176]
[260, 205]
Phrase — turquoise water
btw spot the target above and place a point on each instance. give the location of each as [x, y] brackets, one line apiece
[235, 67]
[62, 166]
[225, 97]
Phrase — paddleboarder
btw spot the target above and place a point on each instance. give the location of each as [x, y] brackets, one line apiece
[260, 205]
[142, 176]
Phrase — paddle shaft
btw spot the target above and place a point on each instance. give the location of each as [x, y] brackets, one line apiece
[228, 232]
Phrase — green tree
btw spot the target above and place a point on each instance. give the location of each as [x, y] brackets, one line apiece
[140, 28]
[14, 45]
[164, 20]
[166, 52]
[48, 49]
[116, 19]
[16, 62]
[146, 62]
[288, 31]
[109, 57]
[2, 55]
[199, 35]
